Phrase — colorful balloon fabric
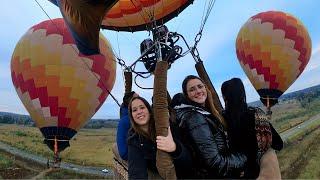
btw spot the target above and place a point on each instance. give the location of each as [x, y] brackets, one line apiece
[85, 18]
[60, 87]
[273, 49]
[136, 15]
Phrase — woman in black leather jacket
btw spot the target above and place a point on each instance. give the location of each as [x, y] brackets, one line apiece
[204, 135]
[142, 145]
[247, 133]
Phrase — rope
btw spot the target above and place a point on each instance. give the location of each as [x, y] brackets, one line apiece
[104, 86]
[204, 21]
[118, 46]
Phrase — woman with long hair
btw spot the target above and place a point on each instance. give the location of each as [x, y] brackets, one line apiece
[142, 144]
[203, 134]
[248, 132]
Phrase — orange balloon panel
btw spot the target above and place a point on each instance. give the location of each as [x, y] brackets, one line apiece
[136, 15]
[85, 18]
[59, 86]
[273, 49]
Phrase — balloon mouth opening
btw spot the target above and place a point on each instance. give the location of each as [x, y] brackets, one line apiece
[57, 138]
[61, 144]
[269, 97]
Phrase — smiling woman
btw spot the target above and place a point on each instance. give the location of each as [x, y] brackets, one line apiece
[141, 118]
[203, 134]
[143, 144]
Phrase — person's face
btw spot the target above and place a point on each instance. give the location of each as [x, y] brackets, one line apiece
[140, 112]
[197, 91]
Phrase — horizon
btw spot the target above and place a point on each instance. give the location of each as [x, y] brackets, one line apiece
[216, 47]
[117, 118]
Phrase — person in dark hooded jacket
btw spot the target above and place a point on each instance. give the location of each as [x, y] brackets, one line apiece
[142, 144]
[203, 134]
[247, 133]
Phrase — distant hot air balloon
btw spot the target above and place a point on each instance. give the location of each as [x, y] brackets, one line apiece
[61, 88]
[273, 49]
[84, 18]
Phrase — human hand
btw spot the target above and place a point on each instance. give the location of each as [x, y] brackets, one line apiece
[166, 143]
[269, 166]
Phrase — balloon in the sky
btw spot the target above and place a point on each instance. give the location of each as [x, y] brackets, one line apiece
[273, 49]
[60, 88]
[85, 17]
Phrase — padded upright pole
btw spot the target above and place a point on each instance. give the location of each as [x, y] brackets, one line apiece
[164, 163]
[128, 81]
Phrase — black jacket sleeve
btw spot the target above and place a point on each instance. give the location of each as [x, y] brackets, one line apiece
[206, 143]
[181, 155]
[137, 165]
[277, 142]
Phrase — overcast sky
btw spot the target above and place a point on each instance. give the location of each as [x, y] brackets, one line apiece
[217, 46]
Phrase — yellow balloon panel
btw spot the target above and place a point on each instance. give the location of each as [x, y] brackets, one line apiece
[58, 85]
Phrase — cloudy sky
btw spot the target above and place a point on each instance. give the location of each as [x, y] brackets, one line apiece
[217, 46]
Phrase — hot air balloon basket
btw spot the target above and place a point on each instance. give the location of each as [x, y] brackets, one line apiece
[120, 167]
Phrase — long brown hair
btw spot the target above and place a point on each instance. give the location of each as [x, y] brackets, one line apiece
[151, 134]
[185, 92]
[209, 105]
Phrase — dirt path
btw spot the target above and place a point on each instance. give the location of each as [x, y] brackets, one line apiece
[301, 127]
[42, 174]
[43, 161]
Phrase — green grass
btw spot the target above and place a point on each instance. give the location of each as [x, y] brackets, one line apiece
[311, 169]
[297, 159]
[90, 147]
[5, 162]
[291, 113]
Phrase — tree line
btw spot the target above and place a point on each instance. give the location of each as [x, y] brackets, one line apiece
[11, 118]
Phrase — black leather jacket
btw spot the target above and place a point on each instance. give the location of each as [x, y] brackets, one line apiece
[206, 139]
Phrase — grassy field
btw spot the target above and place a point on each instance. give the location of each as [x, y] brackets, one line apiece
[5, 162]
[300, 158]
[291, 113]
[13, 168]
[90, 147]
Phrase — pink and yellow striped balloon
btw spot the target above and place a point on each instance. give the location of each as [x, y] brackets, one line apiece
[60, 88]
[273, 49]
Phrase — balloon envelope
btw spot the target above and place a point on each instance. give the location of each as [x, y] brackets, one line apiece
[273, 49]
[86, 17]
[60, 88]
[138, 15]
